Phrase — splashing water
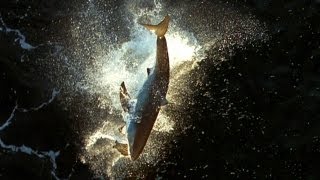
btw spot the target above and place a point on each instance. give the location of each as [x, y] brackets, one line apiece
[125, 56]
[129, 62]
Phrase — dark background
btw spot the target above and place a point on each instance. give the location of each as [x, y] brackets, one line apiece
[270, 131]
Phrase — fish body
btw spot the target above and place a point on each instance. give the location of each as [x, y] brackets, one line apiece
[143, 111]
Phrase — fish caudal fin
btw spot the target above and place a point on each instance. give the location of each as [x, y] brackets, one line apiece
[160, 29]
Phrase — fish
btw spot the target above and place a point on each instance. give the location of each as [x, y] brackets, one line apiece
[142, 111]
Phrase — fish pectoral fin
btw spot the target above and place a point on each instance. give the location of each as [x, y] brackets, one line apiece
[124, 97]
[164, 102]
[122, 148]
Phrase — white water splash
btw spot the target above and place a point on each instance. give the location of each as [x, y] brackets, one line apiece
[129, 63]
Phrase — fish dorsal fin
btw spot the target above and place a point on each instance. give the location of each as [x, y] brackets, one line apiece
[164, 102]
[124, 97]
[148, 71]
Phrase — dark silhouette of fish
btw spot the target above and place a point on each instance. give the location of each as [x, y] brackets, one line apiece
[143, 111]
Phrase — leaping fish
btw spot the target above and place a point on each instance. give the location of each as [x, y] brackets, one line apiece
[143, 110]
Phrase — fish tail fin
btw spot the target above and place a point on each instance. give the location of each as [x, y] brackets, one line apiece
[161, 28]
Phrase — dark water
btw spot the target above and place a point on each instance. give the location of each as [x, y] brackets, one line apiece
[247, 109]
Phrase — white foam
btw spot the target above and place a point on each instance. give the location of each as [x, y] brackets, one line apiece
[21, 38]
[8, 121]
[52, 155]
